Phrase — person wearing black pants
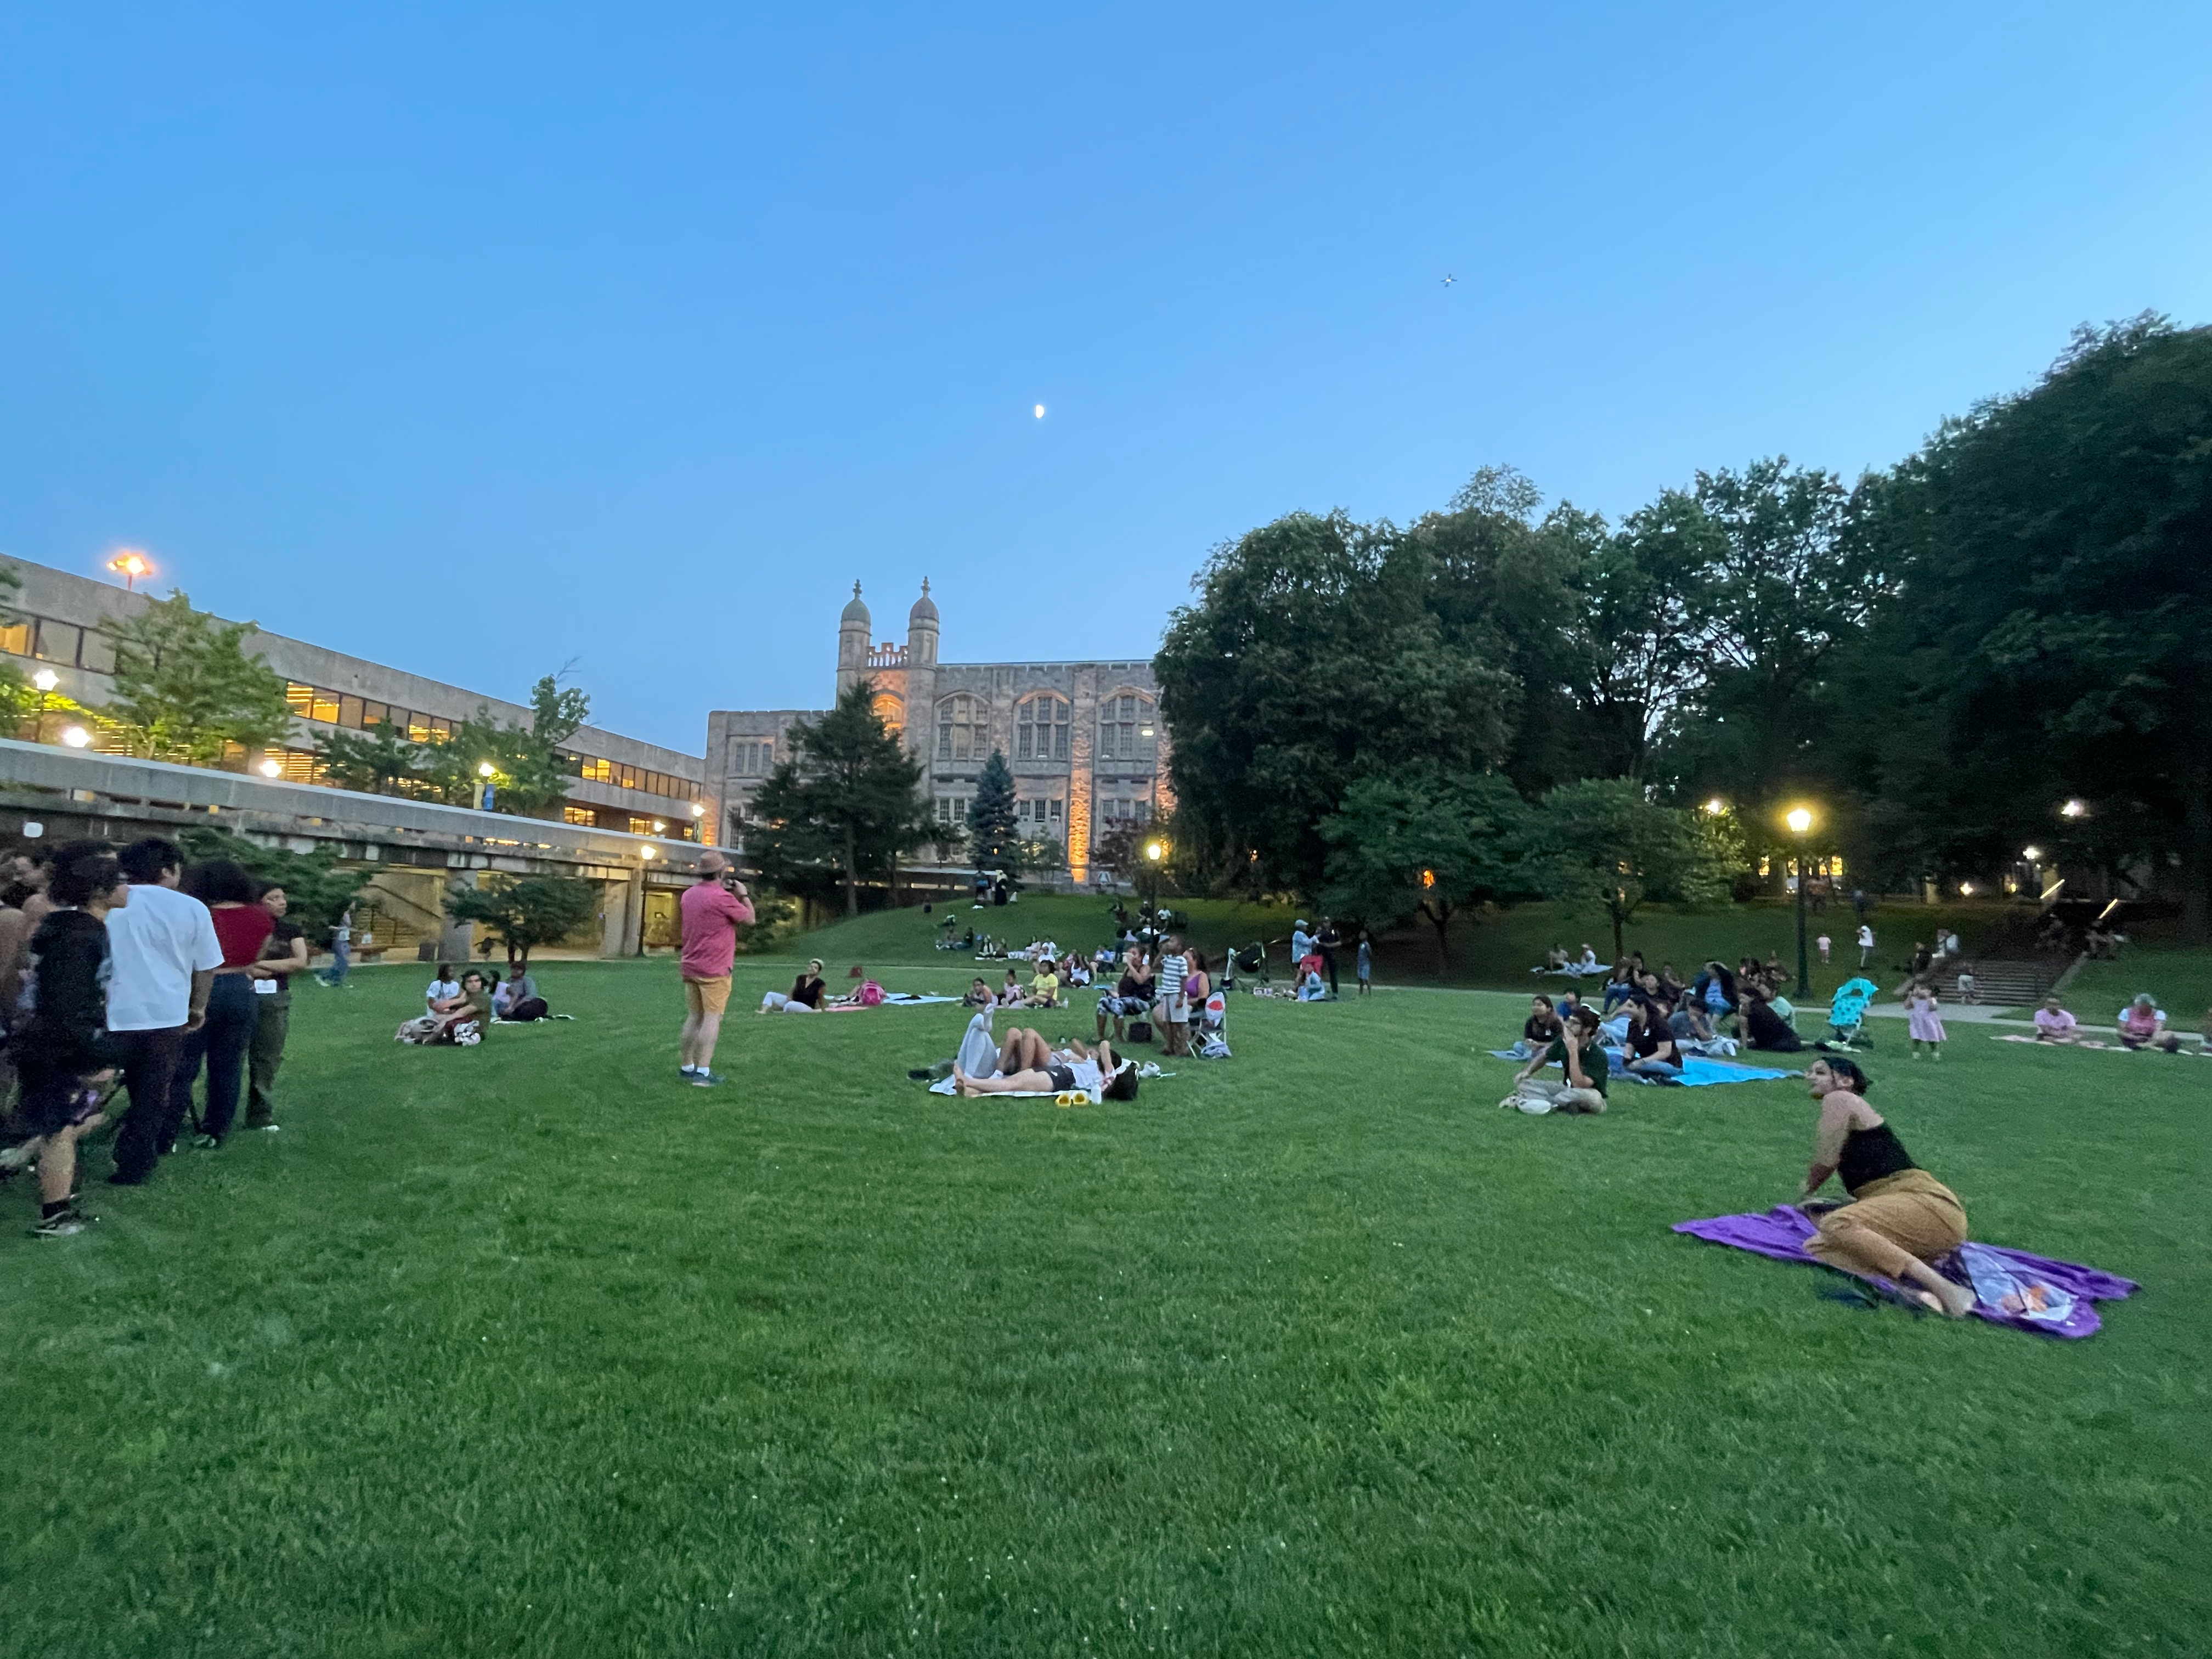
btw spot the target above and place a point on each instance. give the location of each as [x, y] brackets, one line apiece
[1330, 942]
[242, 927]
[150, 1060]
[163, 954]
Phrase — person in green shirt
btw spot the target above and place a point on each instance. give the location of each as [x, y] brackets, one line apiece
[1579, 1052]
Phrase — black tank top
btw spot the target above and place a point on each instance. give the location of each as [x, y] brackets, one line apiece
[1870, 1154]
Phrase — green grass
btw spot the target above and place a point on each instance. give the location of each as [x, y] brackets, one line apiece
[1494, 950]
[530, 1349]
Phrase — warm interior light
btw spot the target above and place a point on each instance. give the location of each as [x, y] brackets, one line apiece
[1428, 877]
[272, 768]
[77, 736]
[46, 679]
[1799, 819]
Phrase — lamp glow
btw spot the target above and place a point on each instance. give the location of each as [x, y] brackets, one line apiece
[698, 809]
[1716, 807]
[484, 769]
[271, 768]
[645, 853]
[1152, 851]
[2034, 854]
[46, 679]
[1799, 819]
[130, 564]
[77, 738]
[2074, 808]
[1966, 890]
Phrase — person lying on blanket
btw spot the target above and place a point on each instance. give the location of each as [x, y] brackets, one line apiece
[1899, 1218]
[1028, 1065]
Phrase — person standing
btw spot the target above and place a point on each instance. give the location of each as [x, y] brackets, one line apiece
[341, 951]
[284, 955]
[1824, 942]
[1924, 1023]
[1175, 1001]
[62, 1051]
[1330, 942]
[224, 1038]
[1301, 943]
[163, 953]
[712, 910]
[1866, 944]
[1366, 964]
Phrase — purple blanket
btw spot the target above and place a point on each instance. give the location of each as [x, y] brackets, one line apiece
[2011, 1287]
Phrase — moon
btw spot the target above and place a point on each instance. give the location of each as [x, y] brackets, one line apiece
[1040, 411]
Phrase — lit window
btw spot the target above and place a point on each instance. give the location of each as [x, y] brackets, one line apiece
[323, 707]
[640, 826]
[891, 711]
[301, 697]
[15, 638]
[583, 815]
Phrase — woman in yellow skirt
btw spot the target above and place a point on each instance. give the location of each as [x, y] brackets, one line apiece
[1899, 1218]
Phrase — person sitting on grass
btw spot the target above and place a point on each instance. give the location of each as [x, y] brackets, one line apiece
[1764, 1029]
[60, 1047]
[472, 1007]
[1619, 985]
[1010, 993]
[1132, 997]
[1650, 1045]
[2142, 1026]
[1539, 1030]
[804, 996]
[1690, 1022]
[2053, 1023]
[1579, 1053]
[1312, 988]
[979, 995]
[1030, 1065]
[444, 991]
[515, 999]
[1044, 985]
[1899, 1218]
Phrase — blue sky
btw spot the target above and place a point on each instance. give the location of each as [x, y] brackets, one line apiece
[476, 339]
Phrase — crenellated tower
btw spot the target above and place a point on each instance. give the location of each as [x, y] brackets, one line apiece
[853, 642]
[920, 671]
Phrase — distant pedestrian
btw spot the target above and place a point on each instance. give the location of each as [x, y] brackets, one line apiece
[163, 953]
[713, 909]
[1925, 1023]
[1366, 962]
[284, 955]
[341, 951]
[1824, 942]
[1301, 941]
[1866, 944]
[1330, 942]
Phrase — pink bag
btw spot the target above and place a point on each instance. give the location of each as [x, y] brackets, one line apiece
[872, 994]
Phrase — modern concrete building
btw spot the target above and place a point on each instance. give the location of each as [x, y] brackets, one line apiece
[618, 783]
[1084, 739]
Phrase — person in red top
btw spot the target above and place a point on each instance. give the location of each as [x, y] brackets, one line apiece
[242, 928]
[712, 910]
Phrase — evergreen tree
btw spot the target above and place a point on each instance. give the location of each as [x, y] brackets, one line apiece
[523, 912]
[991, 836]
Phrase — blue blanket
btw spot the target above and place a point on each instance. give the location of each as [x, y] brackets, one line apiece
[1698, 1072]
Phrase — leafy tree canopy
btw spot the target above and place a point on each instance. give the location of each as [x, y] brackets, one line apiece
[522, 913]
[1602, 842]
[319, 889]
[1421, 843]
[185, 686]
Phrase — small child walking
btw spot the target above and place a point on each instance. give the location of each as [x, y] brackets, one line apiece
[1366, 970]
[1926, 1023]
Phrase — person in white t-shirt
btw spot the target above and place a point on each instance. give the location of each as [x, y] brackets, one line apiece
[445, 990]
[1866, 944]
[163, 954]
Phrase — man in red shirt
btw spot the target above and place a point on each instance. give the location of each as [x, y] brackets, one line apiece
[712, 911]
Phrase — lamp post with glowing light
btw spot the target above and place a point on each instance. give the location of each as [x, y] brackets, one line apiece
[486, 771]
[46, 679]
[130, 564]
[1154, 851]
[1800, 821]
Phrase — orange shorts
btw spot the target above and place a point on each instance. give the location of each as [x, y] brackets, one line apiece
[706, 996]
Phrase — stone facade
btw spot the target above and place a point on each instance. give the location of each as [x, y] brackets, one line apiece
[1084, 739]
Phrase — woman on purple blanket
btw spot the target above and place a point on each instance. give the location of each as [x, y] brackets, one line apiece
[1899, 1218]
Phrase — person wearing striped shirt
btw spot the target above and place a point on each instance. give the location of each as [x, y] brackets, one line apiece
[1175, 1001]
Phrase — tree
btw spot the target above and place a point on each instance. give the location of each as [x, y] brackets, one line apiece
[375, 761]
[523, 912]
[319, 888]
[994, 843]
[19, 698]
[185, 686]
[1422, 843]
[530, 775]
[1602, 841]
[1320, 651]
[2055, 640]
[845, 801]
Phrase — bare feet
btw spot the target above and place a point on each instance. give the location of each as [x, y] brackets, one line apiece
[962, 1085]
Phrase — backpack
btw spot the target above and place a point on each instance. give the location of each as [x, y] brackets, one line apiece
[872, 994]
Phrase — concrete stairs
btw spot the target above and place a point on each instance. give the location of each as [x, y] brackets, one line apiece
[2003, 982]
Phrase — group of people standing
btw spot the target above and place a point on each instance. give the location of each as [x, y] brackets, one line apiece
[133, 968]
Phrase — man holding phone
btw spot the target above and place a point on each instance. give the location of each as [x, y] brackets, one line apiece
[712, 910]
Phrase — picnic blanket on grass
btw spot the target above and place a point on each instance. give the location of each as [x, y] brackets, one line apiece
[892, 999]
[1698, 1072]
[2011, 1287]
[2115, 1047]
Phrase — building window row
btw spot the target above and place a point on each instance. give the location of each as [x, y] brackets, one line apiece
[1040, 812]
[749, 759]
[327, 707]
[1041, 729]
[1129, 727]
[595, 768]
[1116, 811]
[44, 640]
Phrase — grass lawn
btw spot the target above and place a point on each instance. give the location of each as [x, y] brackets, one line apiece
[2180, 978]
[532, 1349]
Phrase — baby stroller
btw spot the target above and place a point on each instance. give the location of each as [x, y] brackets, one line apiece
[1847, 1013]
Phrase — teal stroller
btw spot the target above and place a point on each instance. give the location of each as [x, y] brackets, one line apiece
[1847, 1013]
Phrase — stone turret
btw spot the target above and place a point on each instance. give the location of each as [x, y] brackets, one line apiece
[853, 628]
[921, 673]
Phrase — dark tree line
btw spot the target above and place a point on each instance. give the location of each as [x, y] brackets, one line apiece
[1938, 656]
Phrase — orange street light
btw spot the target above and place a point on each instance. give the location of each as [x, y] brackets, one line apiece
[130, 564]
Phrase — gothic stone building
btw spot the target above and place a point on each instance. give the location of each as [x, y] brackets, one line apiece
[1084, 739]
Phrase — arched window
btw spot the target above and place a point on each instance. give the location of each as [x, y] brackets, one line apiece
[1041, 728]
[1129, 726]
[891, 709]
[964, 728]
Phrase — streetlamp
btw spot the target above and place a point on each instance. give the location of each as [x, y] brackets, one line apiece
[1800, 820]
[1153, 850]
[77, 736]
[271, 768]
[46, 679]
[486, 771]
[130, 564]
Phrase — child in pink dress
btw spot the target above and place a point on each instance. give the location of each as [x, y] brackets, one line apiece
[1926, 1024]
